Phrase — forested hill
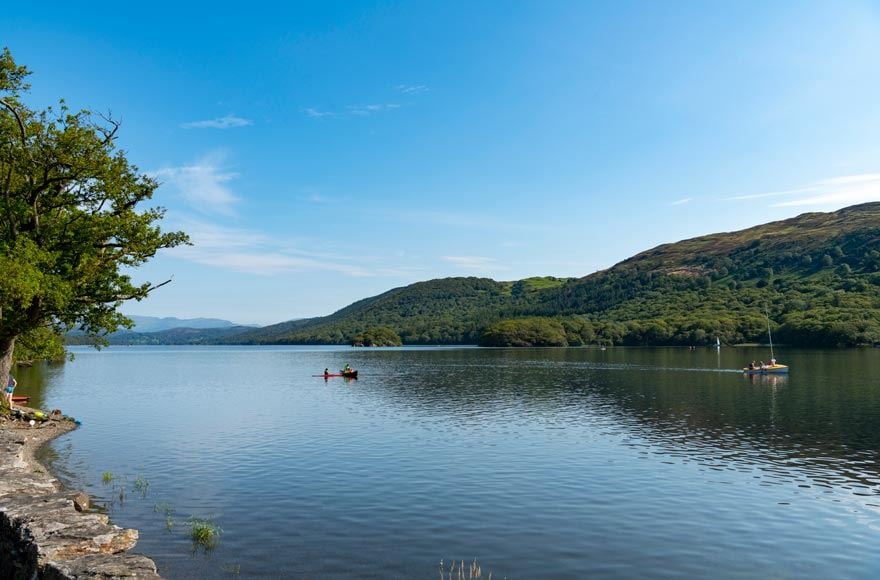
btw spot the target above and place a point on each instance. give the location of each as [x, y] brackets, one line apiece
[818, 276]
[444, 311]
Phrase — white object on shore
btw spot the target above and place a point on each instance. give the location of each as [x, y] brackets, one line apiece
[32, 422]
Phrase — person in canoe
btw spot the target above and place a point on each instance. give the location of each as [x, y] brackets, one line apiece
[326, 373]
[346, 369]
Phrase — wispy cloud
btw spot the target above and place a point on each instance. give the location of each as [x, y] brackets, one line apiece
[842, 190]
[682, 201]
[317, 113]
[362, 110]
[769, 194]
[226, 122]
[412, 89]
[202, 185]
[319, 199]
[352, 110]
[480, 263]
[271, 263]
[204, 188]
[250, 252]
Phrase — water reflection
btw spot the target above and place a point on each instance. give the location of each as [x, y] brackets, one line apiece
[771, 380]
[36, 381]
[727, 419]
[560, 463]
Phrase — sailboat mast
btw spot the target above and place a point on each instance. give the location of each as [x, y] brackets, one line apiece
[769, 334]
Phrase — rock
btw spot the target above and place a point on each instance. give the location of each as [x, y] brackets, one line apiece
[81, 501]
[49, 533]
[117, 566]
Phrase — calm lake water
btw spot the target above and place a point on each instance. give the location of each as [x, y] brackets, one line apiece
[543, 463]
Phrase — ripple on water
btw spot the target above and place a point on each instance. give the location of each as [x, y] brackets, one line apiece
[544, 464]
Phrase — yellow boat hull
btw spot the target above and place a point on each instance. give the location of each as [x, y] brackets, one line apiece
[767, 369]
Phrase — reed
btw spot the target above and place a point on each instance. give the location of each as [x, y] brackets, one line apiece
[462, 571]
[141, 485]
[205, 534]
[165, 508]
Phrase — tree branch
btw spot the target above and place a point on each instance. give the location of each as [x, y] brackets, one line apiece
[13, 231]
[151, 288]
[168, 281]
[109, 134]
[18, 119]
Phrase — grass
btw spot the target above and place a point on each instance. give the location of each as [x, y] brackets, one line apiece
[165, 508]
[205, 534]
[141, 485]
[462, 571]
[107, 477]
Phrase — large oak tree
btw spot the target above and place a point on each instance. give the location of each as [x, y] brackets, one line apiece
[71, 222]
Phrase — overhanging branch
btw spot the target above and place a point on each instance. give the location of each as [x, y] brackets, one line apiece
[18, 120]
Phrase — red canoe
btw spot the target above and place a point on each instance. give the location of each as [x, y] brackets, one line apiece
[20, 398]
[350, 375]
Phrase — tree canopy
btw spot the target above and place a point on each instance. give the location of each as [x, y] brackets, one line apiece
[378, 336]
[71, 225]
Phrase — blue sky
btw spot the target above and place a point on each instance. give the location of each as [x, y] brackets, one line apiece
[322, 152]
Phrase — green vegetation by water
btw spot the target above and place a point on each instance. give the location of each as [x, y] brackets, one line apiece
[205, 534]
[379, 336]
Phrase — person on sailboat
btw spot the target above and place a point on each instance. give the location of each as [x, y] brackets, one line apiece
[772, 362]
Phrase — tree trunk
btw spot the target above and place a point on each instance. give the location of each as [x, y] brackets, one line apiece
[7, 348]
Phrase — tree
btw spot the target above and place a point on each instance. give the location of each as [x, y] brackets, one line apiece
[70, 224]
[379, 336]
[525, 332]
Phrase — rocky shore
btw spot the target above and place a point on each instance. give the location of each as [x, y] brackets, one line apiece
[47, 532]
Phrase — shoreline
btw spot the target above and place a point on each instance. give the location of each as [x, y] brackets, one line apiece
[47, 531]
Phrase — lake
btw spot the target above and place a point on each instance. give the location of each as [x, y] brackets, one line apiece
[539, 463]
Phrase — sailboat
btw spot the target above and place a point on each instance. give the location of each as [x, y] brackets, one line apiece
[773, 367]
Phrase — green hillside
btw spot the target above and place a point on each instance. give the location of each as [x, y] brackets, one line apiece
[818, 275]
[445, 311]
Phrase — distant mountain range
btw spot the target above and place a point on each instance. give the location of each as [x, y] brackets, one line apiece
[817, 276]
[154, 324]
[169, 330]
